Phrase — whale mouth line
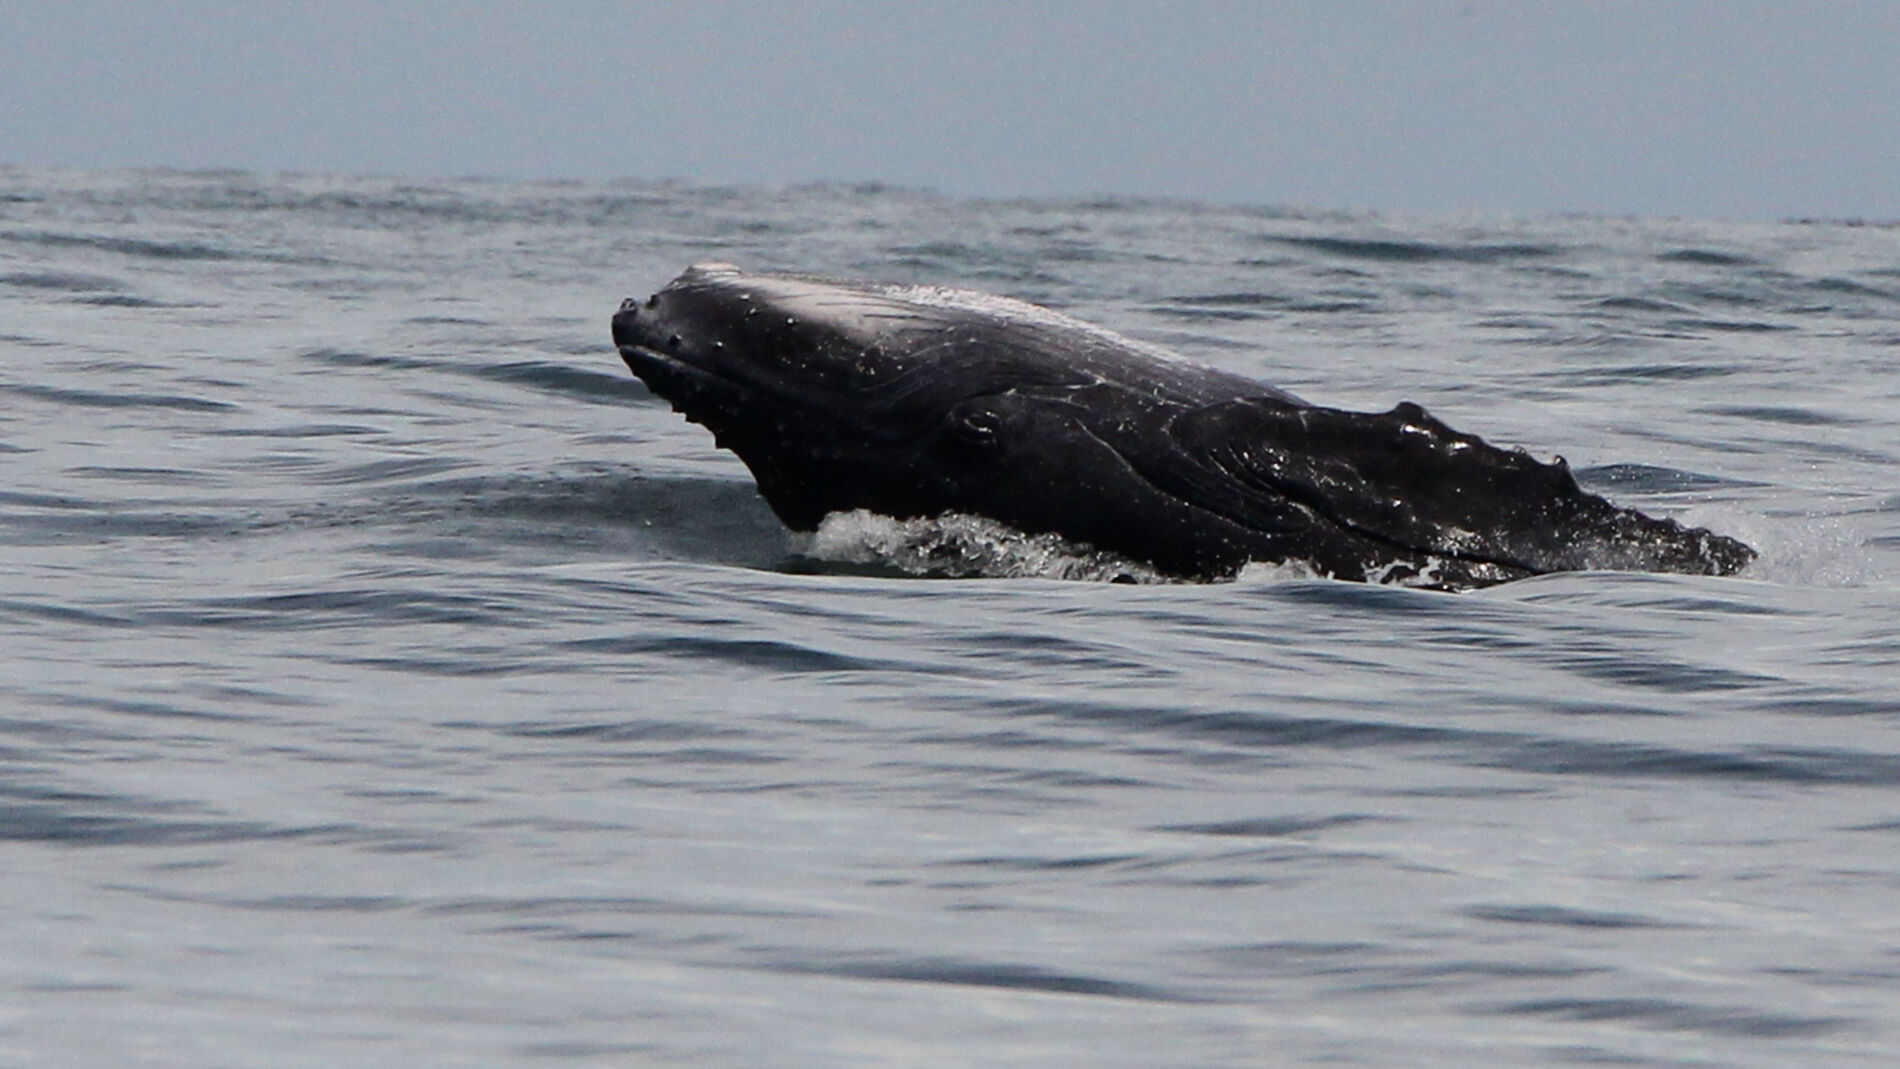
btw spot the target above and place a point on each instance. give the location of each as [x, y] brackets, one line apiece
[724, 402]
[694, 391]
[637, 356]
[647, 357]
[647, 353]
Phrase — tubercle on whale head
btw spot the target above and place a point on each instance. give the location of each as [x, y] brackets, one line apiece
[696, 297]
[752, 329]
[643, 333]
[632, 327]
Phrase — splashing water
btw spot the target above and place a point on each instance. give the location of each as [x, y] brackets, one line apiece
[957, 546]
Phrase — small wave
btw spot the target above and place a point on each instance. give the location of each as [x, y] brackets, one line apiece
[33, 813]
[446, 321]
[1641, 304]
[619, 731]
[391, 470]
[1801, 417]
[1646, 479]
[597, 387]
[1204, 313]
[1667, 1015]
[298, 430]
[1271, 827]
[1707, 258]
[567, 381]
[95, 399]
[144, 476]
[143, 247]
[70, 281]
[100, 522]
[120, 300]
[1753, 292]
[348, 607]
[1638, 373]
[1849, 287]
[1006, 975]
[1393, 251]
[1237, 306]
[989, 268]
[715, 521]
[960, 546]
[1565, 917]
[760, 654]
[348, 358]
[1727, 326]
[49, 824]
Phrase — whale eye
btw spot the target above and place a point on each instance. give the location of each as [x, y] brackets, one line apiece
[672, 343]
[976, 424]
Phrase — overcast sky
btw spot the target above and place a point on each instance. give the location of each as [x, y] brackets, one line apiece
[1738, 109]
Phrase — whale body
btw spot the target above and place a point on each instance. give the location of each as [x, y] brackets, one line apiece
[915, 401]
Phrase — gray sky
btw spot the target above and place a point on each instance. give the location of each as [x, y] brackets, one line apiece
[1733, 109]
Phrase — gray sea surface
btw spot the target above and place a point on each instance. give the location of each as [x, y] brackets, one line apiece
[390, 680]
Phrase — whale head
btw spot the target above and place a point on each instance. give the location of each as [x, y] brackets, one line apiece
[841, 396]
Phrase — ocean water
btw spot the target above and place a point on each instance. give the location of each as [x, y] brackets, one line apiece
[389, 680]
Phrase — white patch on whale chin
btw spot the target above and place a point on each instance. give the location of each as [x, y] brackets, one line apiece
[959, 545]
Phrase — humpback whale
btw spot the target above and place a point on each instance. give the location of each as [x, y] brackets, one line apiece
[915, 401]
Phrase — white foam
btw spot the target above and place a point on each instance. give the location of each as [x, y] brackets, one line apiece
[958, 545]
[1287, 571]
[1822, 551]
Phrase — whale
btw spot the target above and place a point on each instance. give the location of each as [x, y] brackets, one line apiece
[917, 401]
